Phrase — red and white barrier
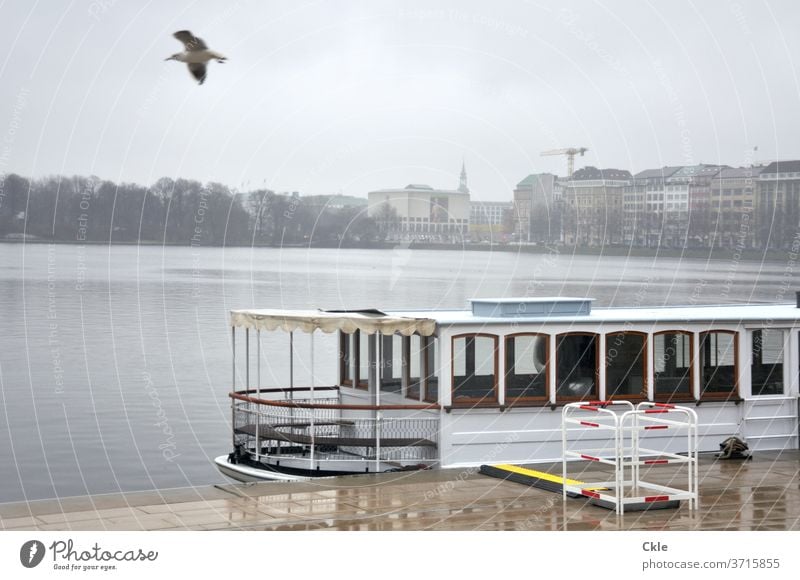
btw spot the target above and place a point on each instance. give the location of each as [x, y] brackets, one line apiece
[624, 424]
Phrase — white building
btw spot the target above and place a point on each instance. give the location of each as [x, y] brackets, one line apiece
[420, 212]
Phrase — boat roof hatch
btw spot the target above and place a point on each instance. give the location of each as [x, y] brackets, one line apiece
[531, 307]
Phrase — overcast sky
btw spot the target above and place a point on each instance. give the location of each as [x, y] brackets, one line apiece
[349, 96]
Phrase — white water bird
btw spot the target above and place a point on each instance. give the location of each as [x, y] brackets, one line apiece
[195, 55]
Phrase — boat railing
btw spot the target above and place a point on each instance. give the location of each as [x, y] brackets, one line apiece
[323, 432]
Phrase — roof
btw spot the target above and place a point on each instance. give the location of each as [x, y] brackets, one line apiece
[348, 321]
[661, 173]
[534, 178]
[589, 172]
[558, 310]
[702, 169]
[730, 313]
[782, 167]
[419, 189]
[738, 172]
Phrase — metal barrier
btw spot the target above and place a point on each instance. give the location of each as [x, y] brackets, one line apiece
[626, 424]
[323, 433]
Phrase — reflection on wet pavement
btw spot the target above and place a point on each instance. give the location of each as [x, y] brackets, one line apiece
[762, 494]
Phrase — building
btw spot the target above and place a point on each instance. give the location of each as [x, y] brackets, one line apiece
[643, 206]
[592, 214]
[490, 220]
[537, 209]
[732, 203]
[420, 212]
[686, 218]
[777, 205]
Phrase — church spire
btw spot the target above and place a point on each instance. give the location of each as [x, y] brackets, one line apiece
[462, 182]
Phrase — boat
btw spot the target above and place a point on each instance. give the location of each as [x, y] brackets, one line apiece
[437, 389]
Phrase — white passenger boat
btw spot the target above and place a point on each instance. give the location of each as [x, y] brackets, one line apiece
[461, 388]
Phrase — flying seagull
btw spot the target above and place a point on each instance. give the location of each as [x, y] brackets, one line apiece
[195, 55]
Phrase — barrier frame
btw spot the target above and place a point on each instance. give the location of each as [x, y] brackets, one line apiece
[626, 453]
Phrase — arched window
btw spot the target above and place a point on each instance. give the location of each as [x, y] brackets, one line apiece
[672, 365]
[576, 366]
[526, 367]
[718, 364]
[626, 365]
[474, 369]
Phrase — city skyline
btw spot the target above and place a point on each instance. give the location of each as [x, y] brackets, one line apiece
[354, 97]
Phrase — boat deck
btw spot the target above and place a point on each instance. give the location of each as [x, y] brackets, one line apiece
[761, 494]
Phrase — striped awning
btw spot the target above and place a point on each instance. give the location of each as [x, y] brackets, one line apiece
[367, 321]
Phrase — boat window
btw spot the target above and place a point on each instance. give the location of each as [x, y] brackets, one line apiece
[576, 366]
[474, 369]
[391, 367]
[672, 365]
[431, 350]
[361, 347]
[766, 372]
[717, 363]
[413, 353]
[526, 367]
[626, 365]
[345, 359]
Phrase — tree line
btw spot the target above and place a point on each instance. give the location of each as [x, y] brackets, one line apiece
[173, 211]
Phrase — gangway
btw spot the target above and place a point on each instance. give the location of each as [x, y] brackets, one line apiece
[625, 425]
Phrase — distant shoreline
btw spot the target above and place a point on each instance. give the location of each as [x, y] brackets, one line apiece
[622, 251]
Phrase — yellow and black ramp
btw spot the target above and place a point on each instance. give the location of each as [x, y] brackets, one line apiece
[532, 477]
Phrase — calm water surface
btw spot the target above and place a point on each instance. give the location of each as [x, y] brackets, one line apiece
[115, 361]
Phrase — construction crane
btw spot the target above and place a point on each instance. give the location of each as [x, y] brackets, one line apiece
[570, 152]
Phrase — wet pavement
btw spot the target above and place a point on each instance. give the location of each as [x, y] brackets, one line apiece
[761, 494]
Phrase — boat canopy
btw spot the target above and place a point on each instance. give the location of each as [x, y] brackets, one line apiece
[348, 321]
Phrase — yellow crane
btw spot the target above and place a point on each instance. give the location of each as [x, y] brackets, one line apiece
[570, 152]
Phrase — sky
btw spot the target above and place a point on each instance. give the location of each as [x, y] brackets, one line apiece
[349, 96]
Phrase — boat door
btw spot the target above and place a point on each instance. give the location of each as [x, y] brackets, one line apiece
[770, 411]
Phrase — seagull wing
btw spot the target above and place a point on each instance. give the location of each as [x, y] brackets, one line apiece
[190, 41]
[198, 71]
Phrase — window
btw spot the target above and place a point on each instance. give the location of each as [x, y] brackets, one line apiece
[576, 366]
[718, 376]
[526, 367]
[474, 369]
[361, 347]
[431, 370]
[354, 359]
[413, 353]
[391, 368]
[345, 359]
[672, 365]
[626, 365]
[766, 372]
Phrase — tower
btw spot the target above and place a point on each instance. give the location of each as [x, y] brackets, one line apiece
[462, 182]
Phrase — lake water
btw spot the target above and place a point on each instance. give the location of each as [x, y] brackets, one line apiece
[115, 361]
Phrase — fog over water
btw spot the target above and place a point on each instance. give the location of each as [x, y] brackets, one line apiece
[115, 361]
